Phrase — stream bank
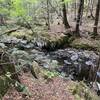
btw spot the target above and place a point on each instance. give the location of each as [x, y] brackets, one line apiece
[70, 63]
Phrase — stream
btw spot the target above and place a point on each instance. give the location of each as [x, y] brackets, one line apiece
[69, 62]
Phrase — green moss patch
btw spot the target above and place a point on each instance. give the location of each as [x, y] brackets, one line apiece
[87, 44]
[82, 92]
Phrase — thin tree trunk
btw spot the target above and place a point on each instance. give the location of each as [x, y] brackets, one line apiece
[48, 15]
[65, 20]
[2, 20]
[91, 10]
[75, 11]
[79, 17]
[96, 18]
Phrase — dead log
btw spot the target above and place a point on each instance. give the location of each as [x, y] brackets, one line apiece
[10, 31]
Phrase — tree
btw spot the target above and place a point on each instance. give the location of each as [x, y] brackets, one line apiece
[4, 10]
[48, 15]
[96, 18]
[65, 20]
[81, 6]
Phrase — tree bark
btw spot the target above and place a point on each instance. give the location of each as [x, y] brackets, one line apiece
[2, 20]
[96, 18]
[65, 20]
[81, 7]
[48, 15]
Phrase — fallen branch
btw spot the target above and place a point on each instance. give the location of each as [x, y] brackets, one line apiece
[10, 31]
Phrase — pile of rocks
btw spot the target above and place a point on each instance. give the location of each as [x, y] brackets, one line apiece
[80, 63]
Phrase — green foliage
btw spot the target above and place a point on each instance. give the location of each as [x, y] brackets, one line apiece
[19, 7]
[22, 88]
[66, 1]
[50, 74]
[27, 34]
[4, 7]
[82, 92]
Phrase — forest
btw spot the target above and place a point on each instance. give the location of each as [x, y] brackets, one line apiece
[49, 49]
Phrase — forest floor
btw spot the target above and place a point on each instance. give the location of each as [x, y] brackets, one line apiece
[54, 89]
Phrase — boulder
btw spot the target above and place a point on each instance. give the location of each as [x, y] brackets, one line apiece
[79, 63]
[35, 70]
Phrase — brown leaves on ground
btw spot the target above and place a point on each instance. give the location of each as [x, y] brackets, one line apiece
[54, 89]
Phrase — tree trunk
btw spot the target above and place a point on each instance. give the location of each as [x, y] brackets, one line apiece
[48, 15]
[96, 18]
[2, 21]
[65, 21]
[81, 7]
[75, 11]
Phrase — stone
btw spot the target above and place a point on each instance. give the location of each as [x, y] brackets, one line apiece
[20, 54]
[23, 41]
[98, 86]
[66, 62]
[74, 57]
[36, 70]
[89, 63]
[98, 74]
[2, 45]
[98, 77]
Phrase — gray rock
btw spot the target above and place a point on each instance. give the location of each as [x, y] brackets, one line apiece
[89, 63]
[98, 74]
[98, 77]
[23, 41]
[2, 45]
[98, 86]
[66, 62]
[20, 54]
[74, 57]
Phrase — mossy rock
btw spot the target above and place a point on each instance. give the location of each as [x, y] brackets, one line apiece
[27, 34]
[87, 44]
[61, 42]
[36, 70]
[82, 92]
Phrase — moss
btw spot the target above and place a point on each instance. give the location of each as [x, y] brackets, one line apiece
[82, 92]
[22, 34]
[82, 43]
[83, 46]
[49, 74]
[61, 42]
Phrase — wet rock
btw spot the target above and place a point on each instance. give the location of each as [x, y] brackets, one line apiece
[9, 39]
[80, 62]
[35, 70]
[2, 45]
[89, 63]
[23, 41]
[66, 62]
[98, 77]
[20, 54]
[98, 88]
[29, 46]
[74, 57]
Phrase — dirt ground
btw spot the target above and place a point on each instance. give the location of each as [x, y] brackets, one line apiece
[55, 89]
